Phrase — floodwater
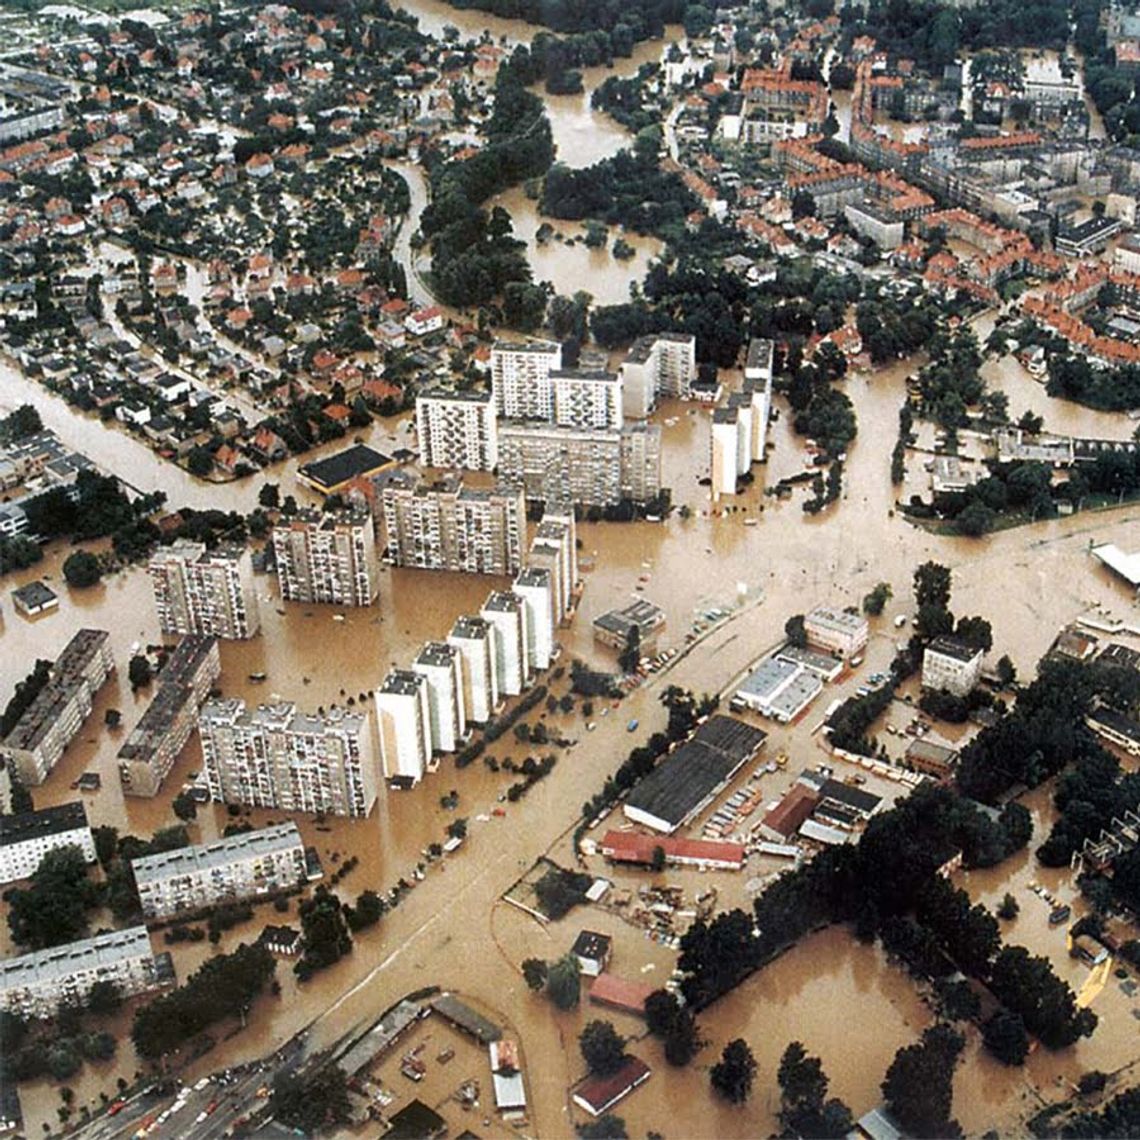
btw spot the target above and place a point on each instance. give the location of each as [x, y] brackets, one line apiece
[451, 930]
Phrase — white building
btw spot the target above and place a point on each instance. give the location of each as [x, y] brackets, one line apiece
[242, 866]
[476, 638]
[742, 403]
[727, 431]
[534, 587]
[442, 665]
[404, 719]
[554, 548]
[507, 614]
[36, 985]
[758, 384]
[520, 378]
[50, 722]
[26, 838]
[586, 399]
[655, 366]
[327, 558]
[276, 757]
[836, 631]
[205, 591]
[951, 665]
[457, 429]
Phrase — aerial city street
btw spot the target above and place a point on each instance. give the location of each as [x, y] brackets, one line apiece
[569, 569]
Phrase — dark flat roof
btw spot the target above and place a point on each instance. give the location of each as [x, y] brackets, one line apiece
[344, 465]
[952, 647]
[692, 771]
[415, 1121]
[37, 824]
[450, 1008]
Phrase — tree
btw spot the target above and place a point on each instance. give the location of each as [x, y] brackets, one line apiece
[139, 672]
[53, 908]
[682, 1039]
[562, 982]
[534, 971]
[1006, 671]
[269, 496]
[875, 602]
[311, 1103]
[1008, 908]
[661, 1009]
[368, 911]
[200, 461]
[1005, 1037]
[606, 1127]
[976, 520]
[185, 806]
[804, 1107]
[325, 930]
[733, 1074]
[658, 860]
[918, 1088]
[976, 632]
[794, 631]
[602, 1048]
[20, 424]
[82, 569]
[932, 585]
[104, 998]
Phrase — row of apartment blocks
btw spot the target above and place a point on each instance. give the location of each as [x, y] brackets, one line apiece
[276, 757]
[444, 525]
[58, 711]
[740, 427]
[561, 433]
[27, 837]
[249, 865]
[149, 752]
[425, 710]
[38, 984]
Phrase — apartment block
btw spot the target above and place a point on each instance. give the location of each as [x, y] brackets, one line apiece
[239, 867]
[328, 558]
[27, 837]
[507, 614]
[742, 403]
[586, 399]
[403, 716]
[836, 631]
[475, 639]
[59, 709]
[535, 589]
[553, 548]
[656, 366]
[951, 665]
[276, 757]
[457, 429]
[205, 591]
[581, 465]
[758, 384]
[442, 665]
[36, 985]
[446, 526]
[520, 378]
[727, 432]
[149, 752]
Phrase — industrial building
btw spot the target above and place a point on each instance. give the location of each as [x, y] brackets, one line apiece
[336, 473]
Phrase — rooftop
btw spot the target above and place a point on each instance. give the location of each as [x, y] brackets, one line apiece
[403, 682]
[40, 824]
[43, 966]
[336, 470]
[952, 647]
[591, 945]
[220, 853]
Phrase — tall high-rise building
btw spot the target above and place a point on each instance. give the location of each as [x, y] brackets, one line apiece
[588, 466]
[442, 665]
[726, 432]
[475, 638]
[535, 589]
[742, 402]
[664, 364]
[446, 526]
[205, 591]
[276, 757]
[457, 429]
[553, 548]
[404, 719]
[586, 399]
[520, 378]
[328, 558]
[507, 613]
[758, 384]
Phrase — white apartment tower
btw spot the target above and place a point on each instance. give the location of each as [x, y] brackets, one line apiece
[554, 548]
[205, 591]
[506, 613]
[328, 558]
[475, 638]
[726, 430]
[520, 379]
[660, 365]
[457, 429]
[742, 403]
[404, 720]
[442, 665]
[586, 399]
[535, 589]
[758, 384]
[276, 757]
